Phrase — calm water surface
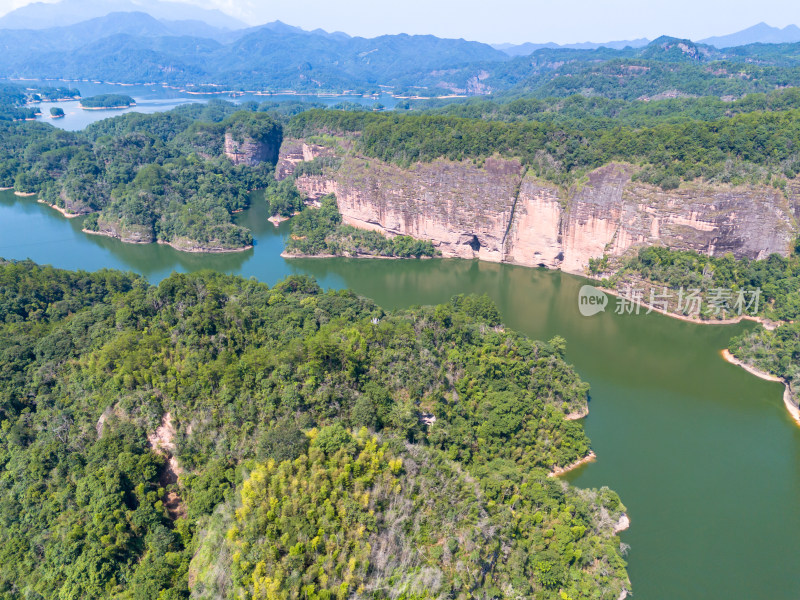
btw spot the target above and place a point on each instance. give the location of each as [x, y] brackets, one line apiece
[153, 98]
[703, 454]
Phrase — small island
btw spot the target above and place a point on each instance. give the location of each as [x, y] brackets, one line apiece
[56, 113]
[107, 101]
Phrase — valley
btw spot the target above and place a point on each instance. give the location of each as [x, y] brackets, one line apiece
[290, 313]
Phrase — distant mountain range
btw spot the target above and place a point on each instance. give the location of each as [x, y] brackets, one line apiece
[178, 44]
[180, 18]
[757, 34]
[529, 47]
[41, 15]
[135, 47]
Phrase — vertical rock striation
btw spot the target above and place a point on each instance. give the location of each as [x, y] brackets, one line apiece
[499, 213]
[248, 151]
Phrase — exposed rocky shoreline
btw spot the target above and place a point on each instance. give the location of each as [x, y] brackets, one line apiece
[286, 254]
[791, 407]
[180, 246]
[766, 323]
[121, 106]
[64, 212]
[557, 471]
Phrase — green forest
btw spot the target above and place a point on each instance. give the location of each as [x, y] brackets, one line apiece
[18, 103]
[321, 232]
[215, 437]
[775, 280]
[107, 101]
[777, 277]
[758, 146]
[146, 178]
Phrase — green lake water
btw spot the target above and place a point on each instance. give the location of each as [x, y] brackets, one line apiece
[703, 454]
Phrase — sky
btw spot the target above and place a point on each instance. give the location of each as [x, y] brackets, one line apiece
[516, 21]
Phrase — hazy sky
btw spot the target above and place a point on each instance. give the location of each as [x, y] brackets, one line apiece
[515, 21]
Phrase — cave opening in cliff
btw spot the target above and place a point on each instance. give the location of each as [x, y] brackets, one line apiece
[473, 243]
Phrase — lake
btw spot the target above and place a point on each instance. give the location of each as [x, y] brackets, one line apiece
[155, 98]
[703, 454]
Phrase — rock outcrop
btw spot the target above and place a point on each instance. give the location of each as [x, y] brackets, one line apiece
[293, 152]
[248, 151]
[499, 212]
[131, 234]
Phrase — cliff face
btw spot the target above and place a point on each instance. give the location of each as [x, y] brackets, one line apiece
[247, 151]
[131, 234]
[447, 203]
[293, 152]
[500, 213]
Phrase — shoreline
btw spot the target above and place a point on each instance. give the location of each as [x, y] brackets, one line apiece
[170, 244]
[277, 219]
[63, 211]
[25, 194]
[286, 254]
[558, 471]
[623, 524]
[237, 93]
[793, 410]
[766, 323]
[204, 250]
[107, 107]
[113, 236]
[578, 414]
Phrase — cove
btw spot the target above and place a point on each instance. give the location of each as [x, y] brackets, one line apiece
[703, 454]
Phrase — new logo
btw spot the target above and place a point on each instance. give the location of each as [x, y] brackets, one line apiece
[591, 301]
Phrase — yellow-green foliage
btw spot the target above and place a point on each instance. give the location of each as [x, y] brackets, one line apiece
[265, 386]
[303, 528]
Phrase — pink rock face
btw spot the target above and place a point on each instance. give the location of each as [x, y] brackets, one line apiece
[534, 238]
[247, 151]
[498, 213]
[448, 203]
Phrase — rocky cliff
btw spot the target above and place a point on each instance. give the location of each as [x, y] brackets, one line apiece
[248, 151]
[293, 152]
[499, 212]
[131, 234]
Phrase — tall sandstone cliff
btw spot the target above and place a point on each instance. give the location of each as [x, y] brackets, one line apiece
[499, 212]
[248, 151]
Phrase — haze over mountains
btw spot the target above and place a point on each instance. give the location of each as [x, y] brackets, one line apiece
[757, 34]
[41, 15]
[176, 44]
[188, 19]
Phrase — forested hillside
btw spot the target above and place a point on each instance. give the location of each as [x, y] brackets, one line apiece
[144, 178]
[321, 232]
[770, 287]
[18, 103]
[758, 146]
[218, 438]
[107, 101]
